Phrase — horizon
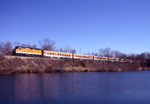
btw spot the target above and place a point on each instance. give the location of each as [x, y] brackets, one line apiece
[87, 25]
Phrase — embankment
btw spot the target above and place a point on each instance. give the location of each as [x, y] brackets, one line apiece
[48, 65]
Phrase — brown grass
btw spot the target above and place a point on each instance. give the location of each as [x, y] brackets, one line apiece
[41, 65]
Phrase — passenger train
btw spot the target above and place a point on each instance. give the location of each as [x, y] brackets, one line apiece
[26, 51]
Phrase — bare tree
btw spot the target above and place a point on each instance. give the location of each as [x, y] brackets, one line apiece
[91, 54]
[60, 49]
[141, 56]
[67, 48]
[116, 54]
[29, 45]
[147, 55]
[131, 56]
[101, 52]
[94, 54]
[16, 43]
[73, 51]
[6, 48]
[111, 54]
[107, 52]
[47, 44]
[24, 45]
[88, 53]
[1, 47]
[123, 56]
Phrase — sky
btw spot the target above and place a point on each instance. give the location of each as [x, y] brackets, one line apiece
[89, 25]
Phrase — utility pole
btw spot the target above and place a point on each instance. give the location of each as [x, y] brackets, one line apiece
[73, 51]
[80, 51]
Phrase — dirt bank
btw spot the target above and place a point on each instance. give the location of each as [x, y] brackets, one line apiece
[48, 65]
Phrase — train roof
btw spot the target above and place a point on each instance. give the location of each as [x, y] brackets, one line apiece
[27, 47]
[57, 51]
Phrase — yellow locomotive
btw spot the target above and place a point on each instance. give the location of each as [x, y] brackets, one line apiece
[26, 51]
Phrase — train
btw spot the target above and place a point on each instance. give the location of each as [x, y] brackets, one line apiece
[27, 51]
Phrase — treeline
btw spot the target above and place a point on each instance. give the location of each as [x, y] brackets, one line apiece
[108, 52]
[6, 48]
[47, 44]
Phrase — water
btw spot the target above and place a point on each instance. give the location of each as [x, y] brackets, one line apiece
[76, 88]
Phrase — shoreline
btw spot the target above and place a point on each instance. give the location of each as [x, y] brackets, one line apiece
[17, 64]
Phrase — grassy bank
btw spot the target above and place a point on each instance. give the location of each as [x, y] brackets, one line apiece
[48, 65]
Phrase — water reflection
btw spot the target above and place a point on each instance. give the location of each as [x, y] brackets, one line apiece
[76, 88]
[27, 88]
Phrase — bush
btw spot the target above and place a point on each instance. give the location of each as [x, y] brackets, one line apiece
[2, 57]
[84, 63]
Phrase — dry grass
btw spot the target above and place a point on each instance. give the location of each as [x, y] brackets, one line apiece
[41, 65]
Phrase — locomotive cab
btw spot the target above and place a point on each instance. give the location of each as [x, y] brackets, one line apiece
[14, 50]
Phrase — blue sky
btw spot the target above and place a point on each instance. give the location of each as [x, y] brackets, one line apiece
[122, 25]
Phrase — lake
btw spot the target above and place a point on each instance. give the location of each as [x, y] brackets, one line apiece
[131, 87]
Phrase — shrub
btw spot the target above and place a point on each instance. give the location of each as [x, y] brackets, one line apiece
[2, 57]
[84, 63]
